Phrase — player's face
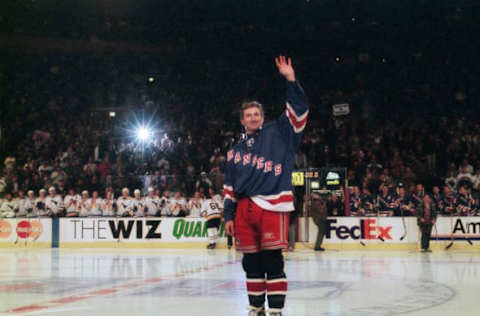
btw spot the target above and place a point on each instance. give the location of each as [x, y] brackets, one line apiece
[252, 119]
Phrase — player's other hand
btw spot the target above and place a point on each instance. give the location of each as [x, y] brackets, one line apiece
[285, 68]
[229, 229]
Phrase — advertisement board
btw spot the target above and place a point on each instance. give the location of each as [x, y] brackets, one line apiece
[134, 230]
[390, 230]
[33, 232]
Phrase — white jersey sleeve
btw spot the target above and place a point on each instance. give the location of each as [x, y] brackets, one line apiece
[210, 207]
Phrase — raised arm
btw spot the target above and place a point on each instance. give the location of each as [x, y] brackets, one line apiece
[293, 121]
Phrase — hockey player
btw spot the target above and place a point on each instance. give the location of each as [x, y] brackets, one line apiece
[108, 205]
[22, 204]
[178, 205]
[152, 203]
[195, 205]
[70, 203]
[94, 205]
[138, 205]
[386, 201]
[212, 211]
[30, 203]
[82, 205]
[258, 192]
[464, 202]
[40, 208]
[124, 204]
[54, 203]
[9, 207]
[165, 204]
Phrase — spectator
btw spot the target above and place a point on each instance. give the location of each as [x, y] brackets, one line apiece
[70, 202]
[94, 205]
[195, 205]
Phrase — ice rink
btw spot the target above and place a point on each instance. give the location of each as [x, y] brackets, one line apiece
[199, 282]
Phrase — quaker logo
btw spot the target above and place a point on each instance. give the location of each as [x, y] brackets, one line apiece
[366, 230]
[238, 157]
[193, 228]
[246, 159]
[230, 155]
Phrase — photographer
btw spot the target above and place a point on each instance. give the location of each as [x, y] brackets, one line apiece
[319, 215]
[426, 218]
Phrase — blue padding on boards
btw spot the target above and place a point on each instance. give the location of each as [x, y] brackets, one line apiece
[55, 232]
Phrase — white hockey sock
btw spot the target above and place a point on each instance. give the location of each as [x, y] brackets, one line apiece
[212, 235]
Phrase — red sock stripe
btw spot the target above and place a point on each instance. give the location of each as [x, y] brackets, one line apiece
[255, 286]
[277, 286]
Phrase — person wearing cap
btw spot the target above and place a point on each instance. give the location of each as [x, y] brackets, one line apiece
[30, 203]
[82, 205]
[70, 202]
[54, 203]
[94, 205]
[152, 203]
[124, 204]
[40, 208]
[138, 204]
[108, 205]
[9, 207]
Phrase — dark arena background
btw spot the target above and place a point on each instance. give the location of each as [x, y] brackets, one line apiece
[117, 123]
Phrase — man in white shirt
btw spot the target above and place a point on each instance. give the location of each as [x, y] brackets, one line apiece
[9, 206]
[108, 205]
[82, 205]
[124, 204]
[178, 205]
[138, 204]
[165, 204]
[30, 203]
[22, 204]
[40, 207]
[70, 203]
[54, 203]
[152, 203]
[94, 205]
[195, 205]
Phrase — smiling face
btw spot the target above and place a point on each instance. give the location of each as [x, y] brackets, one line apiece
[252, 116]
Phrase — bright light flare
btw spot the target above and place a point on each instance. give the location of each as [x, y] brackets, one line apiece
[143, 134]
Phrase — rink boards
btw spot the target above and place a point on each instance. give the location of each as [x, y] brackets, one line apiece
[342, 232]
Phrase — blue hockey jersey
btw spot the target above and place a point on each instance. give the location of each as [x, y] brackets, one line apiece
[260, 165]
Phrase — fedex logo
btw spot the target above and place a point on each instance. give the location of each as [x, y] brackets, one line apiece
[368, 229]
